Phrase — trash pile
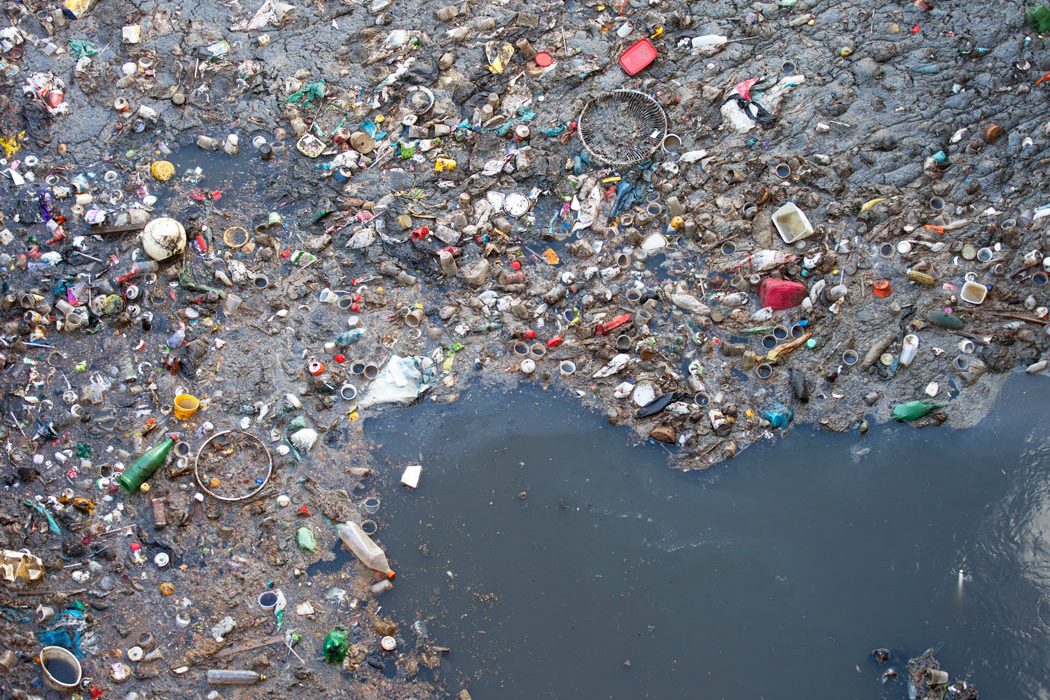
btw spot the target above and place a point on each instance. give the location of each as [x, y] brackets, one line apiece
[228, 237]
[924, 678]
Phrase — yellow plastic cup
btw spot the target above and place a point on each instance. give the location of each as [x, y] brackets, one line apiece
[186, 405]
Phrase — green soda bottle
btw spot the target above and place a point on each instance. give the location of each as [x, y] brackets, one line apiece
[146, 466]
[914, 410]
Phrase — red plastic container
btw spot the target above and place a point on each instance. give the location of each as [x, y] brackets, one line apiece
[638, 56]
[781, 294]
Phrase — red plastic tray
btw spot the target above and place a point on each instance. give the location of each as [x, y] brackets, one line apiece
[638, 56]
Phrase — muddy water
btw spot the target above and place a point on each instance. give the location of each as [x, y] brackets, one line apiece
[559, 562]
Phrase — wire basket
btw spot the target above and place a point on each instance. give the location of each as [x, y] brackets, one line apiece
[622, 127]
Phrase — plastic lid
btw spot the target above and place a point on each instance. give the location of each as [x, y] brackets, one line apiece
[638, 56]
[544, 59]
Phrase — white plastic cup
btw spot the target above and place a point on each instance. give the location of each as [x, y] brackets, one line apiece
[64, 656]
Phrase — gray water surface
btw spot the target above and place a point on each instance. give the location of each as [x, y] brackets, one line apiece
[548, 553]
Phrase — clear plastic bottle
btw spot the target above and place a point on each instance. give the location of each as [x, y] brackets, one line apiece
[370, 554]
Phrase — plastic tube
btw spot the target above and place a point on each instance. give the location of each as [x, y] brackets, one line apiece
[230, 677]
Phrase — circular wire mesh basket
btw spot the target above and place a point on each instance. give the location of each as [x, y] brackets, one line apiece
[622, 127]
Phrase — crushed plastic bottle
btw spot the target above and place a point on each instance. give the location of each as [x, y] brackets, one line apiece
[336, 646]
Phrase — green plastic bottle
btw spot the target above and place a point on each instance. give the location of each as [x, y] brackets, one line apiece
[146, 466]
[913, 410]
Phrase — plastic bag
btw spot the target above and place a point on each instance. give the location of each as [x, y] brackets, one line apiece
[402, 380]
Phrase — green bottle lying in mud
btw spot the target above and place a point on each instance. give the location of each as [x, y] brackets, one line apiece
[146, 466]
[913, 410]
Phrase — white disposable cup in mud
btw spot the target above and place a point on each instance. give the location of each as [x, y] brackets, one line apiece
[634, 295]
[328, 296]
[370, 527]
[670, 142]
[973, 292]
[966, 346]
[371, 371]
[64, 656]
[348, 392]
[887, 250]
[961, 363]
[568, 368]
[371, 505]
[985, 254]
[783, 170]
[936, 203]
[414, 318]
[357, 367]
[521, 349]
[764, 371]
[849, 358]
[538, 350]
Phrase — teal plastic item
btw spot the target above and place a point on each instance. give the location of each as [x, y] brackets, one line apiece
[779, 416]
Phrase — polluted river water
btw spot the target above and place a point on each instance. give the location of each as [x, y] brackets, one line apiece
[556, 560]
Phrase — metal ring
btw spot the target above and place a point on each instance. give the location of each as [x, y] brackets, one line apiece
[200, 482]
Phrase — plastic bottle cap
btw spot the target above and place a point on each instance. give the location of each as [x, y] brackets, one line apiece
[390, 574]
[544, 59]
[388, 643]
